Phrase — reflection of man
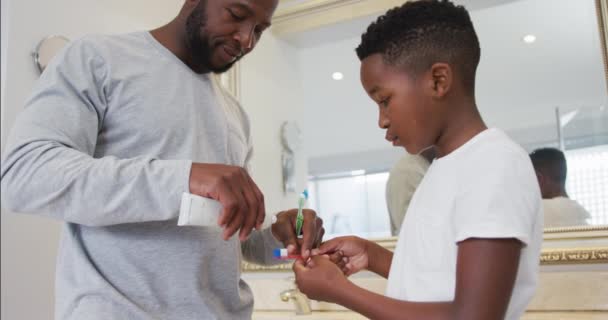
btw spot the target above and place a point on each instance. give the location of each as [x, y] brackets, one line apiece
[403, 179]
[116, 129]
[551, 170]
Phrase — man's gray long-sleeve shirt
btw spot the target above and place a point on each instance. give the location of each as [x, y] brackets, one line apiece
[105, 143]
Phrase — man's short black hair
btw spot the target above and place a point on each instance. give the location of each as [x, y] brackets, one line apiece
[550, 162]
[420, 33]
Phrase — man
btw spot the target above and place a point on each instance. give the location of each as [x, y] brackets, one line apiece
[403, 179]
[116, 129]
[551, 170]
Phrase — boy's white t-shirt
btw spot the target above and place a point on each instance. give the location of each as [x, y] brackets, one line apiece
[487, 188]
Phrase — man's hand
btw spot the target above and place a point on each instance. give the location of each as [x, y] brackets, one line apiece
[312, 229]
[242, 200]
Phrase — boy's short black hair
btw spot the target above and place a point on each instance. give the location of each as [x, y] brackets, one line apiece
[551, 163]
[420, 33]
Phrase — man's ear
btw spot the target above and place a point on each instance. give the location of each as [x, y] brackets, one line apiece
[441, 78]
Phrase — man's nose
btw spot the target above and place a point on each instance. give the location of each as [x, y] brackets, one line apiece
[246, 38]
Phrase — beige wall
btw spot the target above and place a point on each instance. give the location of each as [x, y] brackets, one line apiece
[271, 94]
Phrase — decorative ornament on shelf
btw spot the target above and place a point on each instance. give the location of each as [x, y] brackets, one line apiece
[291, 140]
[46, 49]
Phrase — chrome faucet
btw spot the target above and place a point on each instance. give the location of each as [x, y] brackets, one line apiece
[300, 301]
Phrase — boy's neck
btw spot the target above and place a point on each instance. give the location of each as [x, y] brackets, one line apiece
[464, 123]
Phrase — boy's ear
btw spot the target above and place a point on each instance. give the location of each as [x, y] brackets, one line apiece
[441, 77]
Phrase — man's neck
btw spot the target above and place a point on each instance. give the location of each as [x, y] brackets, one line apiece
[173, 37]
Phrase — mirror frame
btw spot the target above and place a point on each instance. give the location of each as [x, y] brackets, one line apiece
[561, 246]
[231, 80]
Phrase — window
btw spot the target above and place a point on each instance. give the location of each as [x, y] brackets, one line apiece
[587, 180]
[351, 204]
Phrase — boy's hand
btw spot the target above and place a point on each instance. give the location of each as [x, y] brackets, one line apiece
[353, 249]
[339, 260]
[320, 279]
[312, 231]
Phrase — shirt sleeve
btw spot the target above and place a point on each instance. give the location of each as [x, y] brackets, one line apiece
[49, 166]
[501, 201]
[259, 247]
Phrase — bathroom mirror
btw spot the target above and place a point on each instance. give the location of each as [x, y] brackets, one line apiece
[532, 75]
[541, 59]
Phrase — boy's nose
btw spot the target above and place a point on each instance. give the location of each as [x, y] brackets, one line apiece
[383, 122]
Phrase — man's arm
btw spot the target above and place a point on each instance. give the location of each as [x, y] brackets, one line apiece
[259, 247]
[49, 168]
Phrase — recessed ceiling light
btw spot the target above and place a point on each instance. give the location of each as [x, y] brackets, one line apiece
[337, 75]
[530, 38]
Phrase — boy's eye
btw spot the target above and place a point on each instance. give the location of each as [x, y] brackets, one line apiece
[384, 102]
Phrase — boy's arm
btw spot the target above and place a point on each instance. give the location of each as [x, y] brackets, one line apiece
[380, 259]
[486, 272]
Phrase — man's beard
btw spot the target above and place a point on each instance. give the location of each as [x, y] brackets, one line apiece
[198, 41]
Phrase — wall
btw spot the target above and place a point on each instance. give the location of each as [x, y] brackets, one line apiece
[271, 94]
[4, 6]
[4, 21]
[29, 244]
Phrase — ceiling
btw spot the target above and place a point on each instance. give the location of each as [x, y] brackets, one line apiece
[518, 84]
[348, 29]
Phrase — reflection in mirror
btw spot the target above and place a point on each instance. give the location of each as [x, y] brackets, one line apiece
[582, 134]
[541, 59]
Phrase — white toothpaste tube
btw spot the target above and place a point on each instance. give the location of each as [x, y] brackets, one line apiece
[198, 211]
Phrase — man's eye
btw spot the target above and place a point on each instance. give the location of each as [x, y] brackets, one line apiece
[235, 16]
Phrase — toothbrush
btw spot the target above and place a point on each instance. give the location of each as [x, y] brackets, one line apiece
[300, 218]
[282, 254]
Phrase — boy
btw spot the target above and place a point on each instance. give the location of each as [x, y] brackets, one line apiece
[470, 243]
